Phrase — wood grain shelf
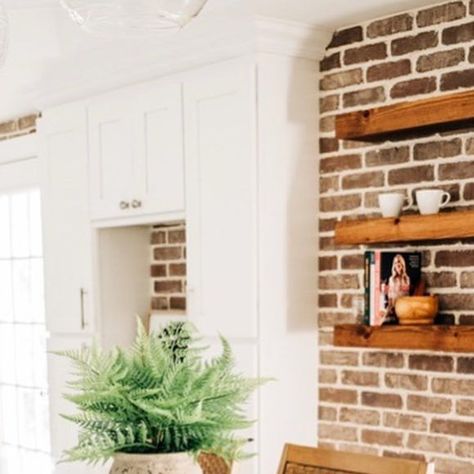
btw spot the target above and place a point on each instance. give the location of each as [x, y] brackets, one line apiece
[425, 116]
[447, 225]
[433, 338]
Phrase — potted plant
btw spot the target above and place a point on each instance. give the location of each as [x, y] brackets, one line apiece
[155, 407]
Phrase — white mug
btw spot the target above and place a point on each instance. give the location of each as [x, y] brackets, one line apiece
[391, 204]
[431, 200]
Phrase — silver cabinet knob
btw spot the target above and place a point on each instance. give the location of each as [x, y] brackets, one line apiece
[136, 204]
[124, 205]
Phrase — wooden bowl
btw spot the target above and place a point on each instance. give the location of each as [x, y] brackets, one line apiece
[416, 309]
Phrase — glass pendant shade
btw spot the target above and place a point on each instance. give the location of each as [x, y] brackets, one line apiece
[3, 34]
[132, 17]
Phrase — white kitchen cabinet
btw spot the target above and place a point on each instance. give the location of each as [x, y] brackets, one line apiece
[221, 169]
[66, 222]
[136, 152]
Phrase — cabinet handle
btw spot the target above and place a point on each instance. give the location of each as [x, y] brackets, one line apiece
[136, 204]
[83, 293]
[124, 205]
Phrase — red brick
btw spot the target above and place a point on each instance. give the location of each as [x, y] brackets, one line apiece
[428, 404]
[388, 70]
[327, 124]
[383, 359]
[158, 271]
[424, 85]
[330, 62]
[177, 236]
[336, 395]
[466, 365]
[337, 432]
[437, 149]
[432, 363]
[467, 280]
[346, 36]
[338, 282]
[328, 184]
[440, 60]
[390, 26]
[363, 180]
[177, 269]
[465, 407]
[452, 427]
[327, 376]
[328, 145]
[327, 263]
[411, 175]
[405, 422]
[458, 34]
[327, 413]
[27, 122]
[418, 42]
[451, 466]
[8, 127]
[454, 258]
[340, 203]
[434, 444]
[159, 303]
[335, 164]
[158, 237]
[359, 416]
[335, 357]
[339, 80]
[384, 438]
[440, 279]
[363, 379]
[352, 262]
[327, 301]
[329, 319]
[168, 286]
[406, 381]
[364, 97]
[465, 449]
[453, 386]
[387, 156]
[456, 302]
[441, 14]
[470, 146]
[178, 303]
[168, 253]
[457, 79]
[382, 400]
[365, 53]
[328, 103]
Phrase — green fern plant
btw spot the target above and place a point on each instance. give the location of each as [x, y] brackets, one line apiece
[160, 396]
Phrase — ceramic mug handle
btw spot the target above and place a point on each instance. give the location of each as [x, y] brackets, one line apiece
[445, 198]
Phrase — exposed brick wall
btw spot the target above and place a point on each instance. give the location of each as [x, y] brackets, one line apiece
[18, 127]
[168, 269]
[403, 403]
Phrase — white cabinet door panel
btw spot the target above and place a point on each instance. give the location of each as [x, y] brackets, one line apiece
[221, 186]
[160, 149]
[111, 156]
[66, 225]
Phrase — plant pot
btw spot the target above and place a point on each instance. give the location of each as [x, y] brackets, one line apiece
[179, 463]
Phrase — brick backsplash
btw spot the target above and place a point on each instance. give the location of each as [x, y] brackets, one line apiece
[401, 403]
[168, 269]
[18, 127]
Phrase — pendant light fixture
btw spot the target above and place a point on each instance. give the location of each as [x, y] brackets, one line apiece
[132, 18]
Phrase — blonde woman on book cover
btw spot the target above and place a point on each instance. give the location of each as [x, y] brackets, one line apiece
[398, 285]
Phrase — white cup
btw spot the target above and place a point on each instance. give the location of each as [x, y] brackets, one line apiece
[391, 204]
[431, 200]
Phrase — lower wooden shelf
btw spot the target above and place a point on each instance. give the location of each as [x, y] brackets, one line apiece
[435, 338]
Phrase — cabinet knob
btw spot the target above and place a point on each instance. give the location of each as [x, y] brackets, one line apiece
[124, 205]
[136, 204]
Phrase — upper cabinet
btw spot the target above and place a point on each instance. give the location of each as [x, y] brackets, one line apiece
[67, 232]
[137, 153]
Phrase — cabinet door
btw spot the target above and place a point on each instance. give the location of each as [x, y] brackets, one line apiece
[66, 225]
[159, 148]
[111, 156]
[220, 192]
[64, 434]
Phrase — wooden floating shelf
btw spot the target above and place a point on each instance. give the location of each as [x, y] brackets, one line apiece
[435, 338]
[448, 225]
[425, 116]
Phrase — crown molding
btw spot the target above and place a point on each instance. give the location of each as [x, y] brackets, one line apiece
[291, 38]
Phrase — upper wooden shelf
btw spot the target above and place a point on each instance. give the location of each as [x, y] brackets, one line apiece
[447, 225]
[438, 338]
[441, 113]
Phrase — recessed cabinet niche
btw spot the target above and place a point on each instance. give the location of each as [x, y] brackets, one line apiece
[136, 152]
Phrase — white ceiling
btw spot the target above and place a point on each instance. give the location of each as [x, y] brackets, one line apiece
[42, 37]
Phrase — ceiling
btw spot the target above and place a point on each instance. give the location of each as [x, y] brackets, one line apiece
[43, 39]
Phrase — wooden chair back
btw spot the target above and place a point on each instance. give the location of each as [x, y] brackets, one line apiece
[304, 460]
